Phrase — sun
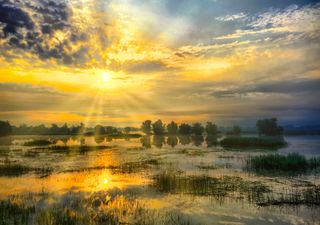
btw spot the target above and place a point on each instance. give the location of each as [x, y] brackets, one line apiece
[105, 77]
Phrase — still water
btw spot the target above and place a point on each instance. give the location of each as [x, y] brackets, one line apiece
[150, 180]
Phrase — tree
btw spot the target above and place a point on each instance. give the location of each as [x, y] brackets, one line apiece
[197, 129]
[146, 127]
[158, 127]
[211, 129]
[5, 128]
[127, 130]
[172, 128]
[185, 129]
[99, 130]
[269, 127]
[236, 130]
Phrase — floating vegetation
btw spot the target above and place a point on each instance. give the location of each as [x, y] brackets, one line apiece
[291, 163]
[271, 143]
[37, 143]
[225, 186]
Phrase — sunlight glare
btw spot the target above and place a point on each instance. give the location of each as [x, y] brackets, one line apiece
[105, 77]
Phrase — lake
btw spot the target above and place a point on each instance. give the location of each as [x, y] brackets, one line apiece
[151, 180]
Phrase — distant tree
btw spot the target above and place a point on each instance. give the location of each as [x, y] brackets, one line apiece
[99, 130]
[211, 129]
[185, 129]
[127, 130]
[146, 127]
[54, 129]
[236, 130]
[110, 130]
[269, 127]
[197, 129]
[172, 128]
[158, 127]
[211, 140]
[5, 128]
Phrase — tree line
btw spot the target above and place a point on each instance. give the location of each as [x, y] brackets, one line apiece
[265, 127]
[159, 128]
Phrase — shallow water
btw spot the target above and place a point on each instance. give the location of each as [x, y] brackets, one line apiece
[152, 180]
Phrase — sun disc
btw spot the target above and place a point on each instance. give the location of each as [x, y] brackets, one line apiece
[105, 77]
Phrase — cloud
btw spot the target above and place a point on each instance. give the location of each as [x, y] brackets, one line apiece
[238, 16]
[40, 27]
[294, 86]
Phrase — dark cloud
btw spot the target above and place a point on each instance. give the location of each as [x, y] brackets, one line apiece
[30, 26]
[145, 66]
[280, 87]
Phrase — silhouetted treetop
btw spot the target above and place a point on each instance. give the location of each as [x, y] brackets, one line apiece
[269, 127]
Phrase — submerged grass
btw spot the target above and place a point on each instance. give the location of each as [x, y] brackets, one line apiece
[291, 163]
[272, 143]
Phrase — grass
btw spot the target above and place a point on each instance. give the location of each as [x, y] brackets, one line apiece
[13, 169]
[309, 197]
[253, 142]
[221, 187]
[37, 143]
[134, 167]
[99, 208]
[282, 163]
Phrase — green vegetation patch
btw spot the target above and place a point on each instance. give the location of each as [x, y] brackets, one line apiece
[37, 143]
[282, 163]
[254, 142]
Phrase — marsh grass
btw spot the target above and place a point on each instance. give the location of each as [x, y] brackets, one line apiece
[218, 187]
[309, 197]
[277, 164]
[135, 167]
[272, 143]
[13, 169]
[97, 209]
[37, 143]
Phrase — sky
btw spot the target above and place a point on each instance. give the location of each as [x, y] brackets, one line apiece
[119, 62]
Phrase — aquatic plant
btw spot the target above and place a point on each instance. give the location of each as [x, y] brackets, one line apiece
[287, 163]
[37, 143]
[219, 187]
[254, 142]
[13, 169]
